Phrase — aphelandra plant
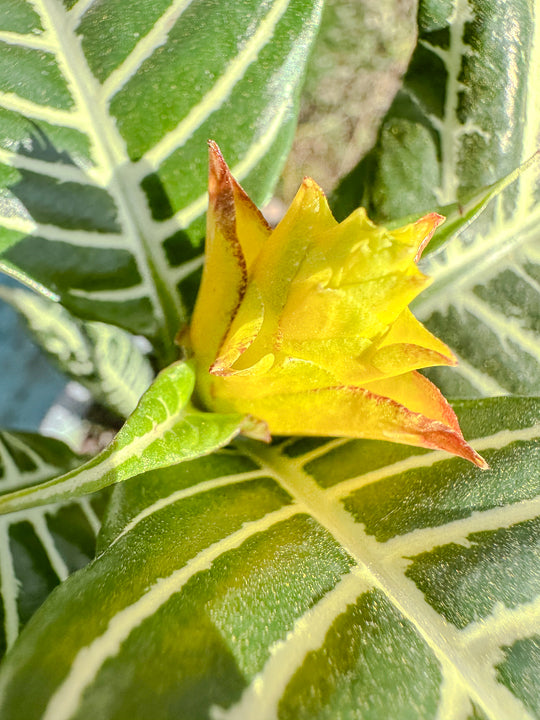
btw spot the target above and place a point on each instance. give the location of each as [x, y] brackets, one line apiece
[298, 527]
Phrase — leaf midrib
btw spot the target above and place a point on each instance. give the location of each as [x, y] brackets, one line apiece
[110, 146]
[440, 637]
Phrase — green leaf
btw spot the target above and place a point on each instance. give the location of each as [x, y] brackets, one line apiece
[460, 215]
[39, 548]
[105, 109]
[311, 579]
[163, 430]
[103, 358]
[466, 118]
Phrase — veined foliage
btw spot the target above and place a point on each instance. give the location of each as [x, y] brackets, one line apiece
[310, 579]
[105, 109]
[468, 115]
[102, 357]
[165, 429]
[313, 578]
[39, 548]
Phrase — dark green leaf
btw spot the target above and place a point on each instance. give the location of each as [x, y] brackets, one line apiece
[105, 110]
[245, 584]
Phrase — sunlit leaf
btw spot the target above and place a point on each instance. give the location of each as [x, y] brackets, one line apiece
[312, 579]
[105, 109]
[165, 429]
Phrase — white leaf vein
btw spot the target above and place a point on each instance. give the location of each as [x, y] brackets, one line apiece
[222, 89]
[89, 659]
[155, 37]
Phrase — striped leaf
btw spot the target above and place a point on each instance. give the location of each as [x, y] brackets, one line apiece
[311, 579]
[101, 357]
[165, 429]
[467, 116]
[105, 109]
[39, 548]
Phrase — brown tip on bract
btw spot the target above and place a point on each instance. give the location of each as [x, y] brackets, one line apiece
[219, 368]
[479, 461]
[219, 174]
[310, 184]
[431, 223]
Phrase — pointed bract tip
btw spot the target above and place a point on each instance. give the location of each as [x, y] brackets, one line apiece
[479, 461]
[467, 452]
[219, 368]
[255, 429]
[219, 174]
[308, 183]
[427, 224]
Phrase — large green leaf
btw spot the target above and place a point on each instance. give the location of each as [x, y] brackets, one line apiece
[103, 358]
[105, 109]
[312, 579]
[165, 429]
[467, 116]
[39, 548]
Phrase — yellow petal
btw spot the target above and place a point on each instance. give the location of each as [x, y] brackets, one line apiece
[357, 250]
[272, 376]
[407, 345]
[355, 280]
[276, 266]
[418, 394]
[244, 328]
[419, 233]
[363, 309]
[358, 413]
[224, 280]
[306, 328]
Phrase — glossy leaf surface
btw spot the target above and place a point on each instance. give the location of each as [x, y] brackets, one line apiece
[105, 109]
[313, 579]
[163, 430]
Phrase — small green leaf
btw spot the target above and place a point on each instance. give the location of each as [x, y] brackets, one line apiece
[460, 215]
[101, 357]
[163, 430]
[311, 579]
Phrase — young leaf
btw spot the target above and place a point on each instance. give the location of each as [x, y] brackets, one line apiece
[460, 215]
[163, 430]
[39, 548]
[105, 109]
[315, 579]
[101, 357]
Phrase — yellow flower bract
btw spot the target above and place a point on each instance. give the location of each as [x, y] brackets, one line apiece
[307, 328]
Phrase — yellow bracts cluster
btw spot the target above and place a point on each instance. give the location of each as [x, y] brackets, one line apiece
[307, 328]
